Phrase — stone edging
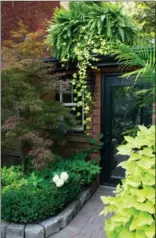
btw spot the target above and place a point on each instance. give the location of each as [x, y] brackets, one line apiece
[50, 226]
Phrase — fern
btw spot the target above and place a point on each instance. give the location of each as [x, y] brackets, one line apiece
[141, 61]
[105, 19]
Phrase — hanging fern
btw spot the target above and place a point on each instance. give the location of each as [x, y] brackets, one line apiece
[84, 30]
[105, 19]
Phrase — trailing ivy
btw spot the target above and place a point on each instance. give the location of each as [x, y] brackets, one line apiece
[83, 94]
[106, 19]
[133, 207]
[83, 31]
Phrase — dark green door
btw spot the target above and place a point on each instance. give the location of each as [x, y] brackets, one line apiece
[122, 112]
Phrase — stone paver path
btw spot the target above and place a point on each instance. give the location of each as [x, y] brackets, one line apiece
[87, 223]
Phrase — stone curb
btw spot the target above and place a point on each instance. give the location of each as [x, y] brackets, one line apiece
[50, 226]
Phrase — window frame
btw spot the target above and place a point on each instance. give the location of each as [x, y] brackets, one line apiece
[71, 105]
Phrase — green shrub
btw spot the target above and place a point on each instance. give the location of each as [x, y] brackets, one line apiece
[83, 155]
[10, 175]
[87, 170]
[35, 197]
[32, 203]
[133, 206]
[16, 184]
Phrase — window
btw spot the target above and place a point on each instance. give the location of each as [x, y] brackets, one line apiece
[66, 96]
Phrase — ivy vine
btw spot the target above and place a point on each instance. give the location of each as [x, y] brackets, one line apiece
[86, 54]
[83, 31]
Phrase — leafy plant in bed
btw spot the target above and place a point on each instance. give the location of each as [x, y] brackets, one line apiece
[132, 209]
[38, 196]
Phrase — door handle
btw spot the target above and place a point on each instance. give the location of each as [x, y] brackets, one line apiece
[114, 140]
[106, 143]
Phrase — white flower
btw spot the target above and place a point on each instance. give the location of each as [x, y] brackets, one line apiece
[59, 183]
[56, 178]
[64, 176]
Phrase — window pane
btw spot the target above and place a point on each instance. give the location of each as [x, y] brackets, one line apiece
[57, 97]
[67, 98]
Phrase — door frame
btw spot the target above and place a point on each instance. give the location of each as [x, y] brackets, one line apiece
[106, 162]
[105, 112]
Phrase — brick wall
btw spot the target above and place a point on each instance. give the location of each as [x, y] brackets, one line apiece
[77, 142]
[96, 108]
[32, 13]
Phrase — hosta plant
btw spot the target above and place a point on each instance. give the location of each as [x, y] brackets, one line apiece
[132, 209]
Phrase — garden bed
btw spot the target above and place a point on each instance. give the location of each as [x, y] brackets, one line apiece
[52, 225]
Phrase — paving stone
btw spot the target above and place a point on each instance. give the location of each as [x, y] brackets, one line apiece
[84, 196]
[66, 216]
[34, 231]
[76, 206]
[51, 226]
[3, 228]
[15, 231]
[87, 223]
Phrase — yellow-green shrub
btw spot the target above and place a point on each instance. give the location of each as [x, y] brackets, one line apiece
[133, 207]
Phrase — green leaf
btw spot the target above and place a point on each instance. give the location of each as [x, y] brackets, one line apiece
[140, 234]
[147, 207]
[100, 136]
[110, 225]
[106, 200]
[124, 150]
[120, 218]
[133, 181]
[141, 220]
[92, 141]
[147, 151]
[148, 179]
[150, 230]
[78, 114]
[133, 207]
[146, 163]
[101, 144]
[129, 139]
[125, 233]
[143, 129]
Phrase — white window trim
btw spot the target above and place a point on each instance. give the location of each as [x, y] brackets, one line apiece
[72, 104]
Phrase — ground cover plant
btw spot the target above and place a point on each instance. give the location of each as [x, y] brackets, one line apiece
[40, 194]
[132, 209]
[28, 200]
